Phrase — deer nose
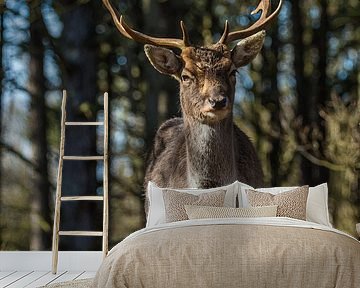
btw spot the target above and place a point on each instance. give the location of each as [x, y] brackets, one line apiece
[218, 103]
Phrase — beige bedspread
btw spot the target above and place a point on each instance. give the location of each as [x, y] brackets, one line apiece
[233, 255]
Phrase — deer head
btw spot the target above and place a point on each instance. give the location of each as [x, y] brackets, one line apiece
[206, 74]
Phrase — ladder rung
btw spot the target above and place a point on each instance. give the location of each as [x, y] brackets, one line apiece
[81, 233]
[83, 157]
[84, 123]
[82, 198]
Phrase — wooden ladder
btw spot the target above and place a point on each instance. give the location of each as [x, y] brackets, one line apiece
[59, 198]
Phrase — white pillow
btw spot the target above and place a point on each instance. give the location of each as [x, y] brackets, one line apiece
[316, 207]
[156, 214]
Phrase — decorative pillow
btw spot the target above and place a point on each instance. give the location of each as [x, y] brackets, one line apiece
[156, 213]
[317, 203]
[201, 212]
[175, 201]
[290, 204]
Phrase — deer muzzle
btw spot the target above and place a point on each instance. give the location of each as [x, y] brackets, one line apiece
[217, 103]
[216, 108]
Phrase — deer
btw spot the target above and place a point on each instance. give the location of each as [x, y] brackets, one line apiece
[204, 148]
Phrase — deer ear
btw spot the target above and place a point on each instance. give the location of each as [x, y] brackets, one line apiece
[164, 60]
[247, 49]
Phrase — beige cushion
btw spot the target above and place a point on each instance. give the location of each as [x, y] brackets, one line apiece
[156, 213]
[290, 204]
[175, 201]
[201, 212]
[316, 207]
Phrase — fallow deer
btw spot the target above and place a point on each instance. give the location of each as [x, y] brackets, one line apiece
[204, 148]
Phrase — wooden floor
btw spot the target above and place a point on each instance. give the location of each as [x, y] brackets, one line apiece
[33, 268]
[32, 279]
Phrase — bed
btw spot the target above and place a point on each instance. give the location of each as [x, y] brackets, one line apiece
[234, 252]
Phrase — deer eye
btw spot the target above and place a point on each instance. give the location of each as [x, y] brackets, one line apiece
[185, 78]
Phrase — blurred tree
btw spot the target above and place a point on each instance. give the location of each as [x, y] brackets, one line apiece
[40, 194]
[2, 9]
[342, 153]
[78, 49]
[269, 96]
[309, 64]
[124, 80]
[321, 79]
[17, 165]
[304, 97]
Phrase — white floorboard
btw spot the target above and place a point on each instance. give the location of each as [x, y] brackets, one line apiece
[34, 279]
[45, 280]
[28, 279]
[87, 275]
[67, 276]
[41, 260]
[12, 278]
[31, 269]
[3, 274]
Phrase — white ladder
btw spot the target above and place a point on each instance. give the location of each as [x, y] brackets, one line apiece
[59, 198]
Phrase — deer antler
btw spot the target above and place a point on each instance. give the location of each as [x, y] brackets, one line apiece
[140, 37]
[226, 38]
[264, 19]
[116, 18]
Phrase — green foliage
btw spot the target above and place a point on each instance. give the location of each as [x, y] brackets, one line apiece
[342, 150]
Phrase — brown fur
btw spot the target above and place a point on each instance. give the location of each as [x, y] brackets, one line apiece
[205, 148]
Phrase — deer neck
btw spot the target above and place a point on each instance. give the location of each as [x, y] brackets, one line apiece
[210, 153]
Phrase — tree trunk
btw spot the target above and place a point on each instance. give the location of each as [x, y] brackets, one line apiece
[2, 8]
[79, 177]
[40, 194]
[171, 12]
[154, 80]
[270, 99]
[304, 97]
[321, 83]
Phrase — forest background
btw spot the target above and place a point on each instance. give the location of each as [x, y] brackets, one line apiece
[298, 101]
